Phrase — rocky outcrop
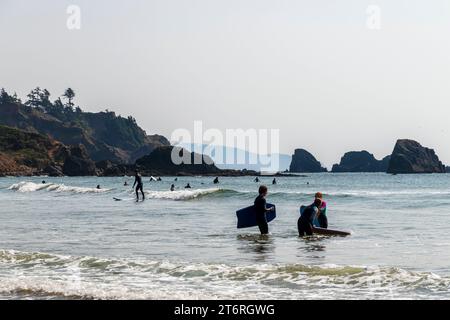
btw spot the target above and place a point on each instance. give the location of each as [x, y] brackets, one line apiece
[167, 161]
[361, 161]
[25, 153]
[77, 162]
[410, 157]
[303, 161]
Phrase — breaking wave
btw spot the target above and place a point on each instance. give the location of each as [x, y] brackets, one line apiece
[184, 194]
[42, 275]
[26, 186]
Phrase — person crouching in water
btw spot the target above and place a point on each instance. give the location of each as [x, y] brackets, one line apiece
[261, 209]
[139, 185]
[321, 220]
[304, 223]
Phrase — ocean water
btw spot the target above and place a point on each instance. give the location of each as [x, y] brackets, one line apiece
[67, 240]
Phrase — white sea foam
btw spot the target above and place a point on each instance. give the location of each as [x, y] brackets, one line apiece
[26, 186]
[181, 194]
[47, 275]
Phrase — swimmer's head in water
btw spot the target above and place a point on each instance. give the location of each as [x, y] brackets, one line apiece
[319, 195]
[262, 190]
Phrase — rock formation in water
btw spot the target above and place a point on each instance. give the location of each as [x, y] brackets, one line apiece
[410, 157]
[176, 161]
[303, 161]
[361, 161]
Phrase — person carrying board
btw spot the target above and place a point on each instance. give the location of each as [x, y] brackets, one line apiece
[261, 209]
[304, 223]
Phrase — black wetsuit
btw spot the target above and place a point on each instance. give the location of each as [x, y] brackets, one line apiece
[139, 185]
[261, 209]
[323, 221]
[304, 223]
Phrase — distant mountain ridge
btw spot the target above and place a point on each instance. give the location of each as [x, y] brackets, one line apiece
[105, 135]
[284, 160]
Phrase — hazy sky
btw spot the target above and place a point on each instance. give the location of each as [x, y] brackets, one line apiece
[313, 68]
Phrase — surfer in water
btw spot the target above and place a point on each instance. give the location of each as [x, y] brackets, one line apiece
[304, 223]
[216, 180]
[256, 180]
[261, 209]
[321, 220]
[188, 186]
[172, 187]
[139, 185]
[274, 181]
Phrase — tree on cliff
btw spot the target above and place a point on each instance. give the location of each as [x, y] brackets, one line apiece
[69, 94]
[40, 99]
[7, 98]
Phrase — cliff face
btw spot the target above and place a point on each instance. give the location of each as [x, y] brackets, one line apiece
[105, 135]
[24, 153]
[361, 161]
[303, 161]
[410, 157]
[77, 162]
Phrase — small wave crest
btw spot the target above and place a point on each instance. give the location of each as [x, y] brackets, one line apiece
[26, 186]
[188, 194]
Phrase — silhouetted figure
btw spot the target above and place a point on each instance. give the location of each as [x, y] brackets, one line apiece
[139, 185]
[43, 181]
[172, 187]
[188, 186]
[176, 179]
[159, 179]
[274, 181]
[216, 180]
[305, 222]
[256, 179]
[98, 187]
[125, 184]
[261, 210]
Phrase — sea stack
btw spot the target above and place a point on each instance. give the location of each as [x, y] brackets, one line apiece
[411, 157]
[160, 163]
[361, 161]
[303, 161]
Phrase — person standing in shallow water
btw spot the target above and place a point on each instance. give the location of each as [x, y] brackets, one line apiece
[261, 210]
[139, 185]
[304, 223]
[321, 220]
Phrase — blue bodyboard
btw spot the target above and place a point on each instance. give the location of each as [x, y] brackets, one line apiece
[247, 217]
